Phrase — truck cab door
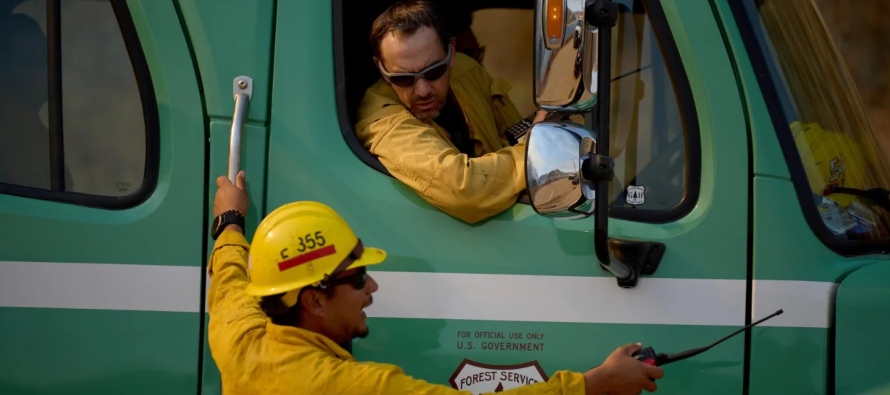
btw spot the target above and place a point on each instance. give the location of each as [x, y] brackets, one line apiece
[235, 67]
[102, 197]
[820, 241]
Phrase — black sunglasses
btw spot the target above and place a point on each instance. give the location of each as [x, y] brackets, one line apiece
[357, 279]
[405, 80]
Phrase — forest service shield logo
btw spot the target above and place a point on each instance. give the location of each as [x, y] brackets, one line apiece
[479, 378]
[636, 195]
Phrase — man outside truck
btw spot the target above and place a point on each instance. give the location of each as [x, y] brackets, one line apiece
[437, 120]
[280, 306]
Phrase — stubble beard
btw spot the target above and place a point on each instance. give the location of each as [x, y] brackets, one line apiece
[427, 116]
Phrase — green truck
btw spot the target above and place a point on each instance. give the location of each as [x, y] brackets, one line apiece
[730, 172]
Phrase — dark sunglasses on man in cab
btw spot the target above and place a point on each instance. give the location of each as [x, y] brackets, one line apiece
[405, 80]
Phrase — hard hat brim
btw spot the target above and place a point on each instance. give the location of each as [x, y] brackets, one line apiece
[371, 256]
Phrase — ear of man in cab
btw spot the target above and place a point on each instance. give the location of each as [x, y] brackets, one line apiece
[436, 119]
[281, 306]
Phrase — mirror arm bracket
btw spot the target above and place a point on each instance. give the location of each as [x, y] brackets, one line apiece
[598, 168]
[601, 13]
[643, 257]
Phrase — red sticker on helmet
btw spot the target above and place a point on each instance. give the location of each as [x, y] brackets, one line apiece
[307, 257]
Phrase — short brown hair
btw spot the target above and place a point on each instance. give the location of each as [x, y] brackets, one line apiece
[280, 314]
[406, 17]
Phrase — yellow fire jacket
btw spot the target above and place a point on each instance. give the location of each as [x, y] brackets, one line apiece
[422, 156]
[835, 158]
[255, 356]
[830, 158]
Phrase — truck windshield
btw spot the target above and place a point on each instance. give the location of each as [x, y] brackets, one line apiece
[846, 170]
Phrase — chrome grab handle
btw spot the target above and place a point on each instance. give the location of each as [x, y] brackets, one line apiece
[242, 89]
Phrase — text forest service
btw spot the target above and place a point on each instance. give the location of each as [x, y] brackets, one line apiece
[479, 378]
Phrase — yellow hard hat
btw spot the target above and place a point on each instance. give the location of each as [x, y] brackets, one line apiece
[302, 244]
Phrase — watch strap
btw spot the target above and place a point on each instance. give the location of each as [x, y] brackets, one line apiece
[229, 217]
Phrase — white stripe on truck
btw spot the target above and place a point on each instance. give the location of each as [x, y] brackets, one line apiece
[663, 301]
[100, 286]
[497, 297]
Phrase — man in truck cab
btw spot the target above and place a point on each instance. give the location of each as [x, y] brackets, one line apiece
[436, 119]
[281, 307]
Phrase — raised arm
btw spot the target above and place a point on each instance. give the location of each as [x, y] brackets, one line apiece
[235, 317]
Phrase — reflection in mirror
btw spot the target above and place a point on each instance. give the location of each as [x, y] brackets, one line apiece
[554, 158]
[565, 57]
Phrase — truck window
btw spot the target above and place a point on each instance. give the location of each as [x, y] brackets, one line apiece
[654, 129]
[831, 148]
[76, 127]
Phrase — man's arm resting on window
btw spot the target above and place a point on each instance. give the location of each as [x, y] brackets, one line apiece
[470, 189]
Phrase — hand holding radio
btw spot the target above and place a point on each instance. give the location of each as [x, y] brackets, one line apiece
[621, 373]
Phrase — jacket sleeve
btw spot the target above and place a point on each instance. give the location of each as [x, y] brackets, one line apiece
[370, 378]
[235, 316]
[470, 189]
[504, 110]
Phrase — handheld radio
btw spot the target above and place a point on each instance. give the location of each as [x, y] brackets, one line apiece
[648, 355]
[519, 129]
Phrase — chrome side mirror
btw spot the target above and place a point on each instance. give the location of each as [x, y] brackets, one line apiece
[558, 157]
[564, 168]
[566, 57]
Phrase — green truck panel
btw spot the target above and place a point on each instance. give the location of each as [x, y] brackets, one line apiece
[862, 302]
[105, 294]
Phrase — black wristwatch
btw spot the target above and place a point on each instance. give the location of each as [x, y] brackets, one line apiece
[227, 218]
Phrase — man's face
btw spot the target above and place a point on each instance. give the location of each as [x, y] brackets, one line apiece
[411, 54]
[345, 309]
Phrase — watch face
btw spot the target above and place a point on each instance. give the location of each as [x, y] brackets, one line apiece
[214, 225]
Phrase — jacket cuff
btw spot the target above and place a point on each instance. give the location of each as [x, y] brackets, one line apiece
[231, 237]
[571, 382]
[228, 238]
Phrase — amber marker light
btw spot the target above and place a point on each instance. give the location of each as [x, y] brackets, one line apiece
[554, 24]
